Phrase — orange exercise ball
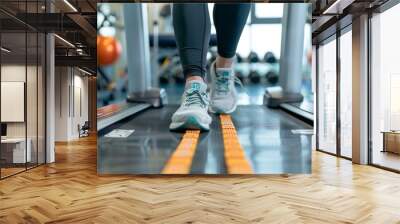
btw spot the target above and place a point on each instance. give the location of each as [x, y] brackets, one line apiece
[108, 50]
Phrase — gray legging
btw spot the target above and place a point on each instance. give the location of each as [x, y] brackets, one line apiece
[192, 32]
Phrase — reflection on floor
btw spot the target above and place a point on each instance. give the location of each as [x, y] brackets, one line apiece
[386, 159]
[266, 136]
[10, 171]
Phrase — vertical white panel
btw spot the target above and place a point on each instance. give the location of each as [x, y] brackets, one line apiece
[346, 94]
[12, 101]
[360, 90]
[327, 97]
[50, 99]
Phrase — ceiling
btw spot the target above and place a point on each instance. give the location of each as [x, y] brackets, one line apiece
[72, 20]
[328, 16]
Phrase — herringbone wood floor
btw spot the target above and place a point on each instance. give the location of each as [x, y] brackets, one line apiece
[69, 191]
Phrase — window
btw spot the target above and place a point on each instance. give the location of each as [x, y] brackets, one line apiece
[385, 89]
[327, 96]
[346, 94]
[22, 76]
[260, 38]
[274, 10]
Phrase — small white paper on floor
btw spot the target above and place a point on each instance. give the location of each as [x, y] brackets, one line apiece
[119, 133]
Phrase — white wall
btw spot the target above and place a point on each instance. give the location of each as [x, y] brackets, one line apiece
[12, 73]
[70, 83]
[12, 101]
[80, 94]
[62, 80]
[82, 82]
[33, 126]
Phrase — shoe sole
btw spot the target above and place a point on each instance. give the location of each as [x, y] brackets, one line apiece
[211, 110]
[191, 123]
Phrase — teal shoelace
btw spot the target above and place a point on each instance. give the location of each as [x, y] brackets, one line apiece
[195, 97]
[222, 83]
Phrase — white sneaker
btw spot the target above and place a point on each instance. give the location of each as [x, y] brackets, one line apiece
[222, 90]
[193, 112]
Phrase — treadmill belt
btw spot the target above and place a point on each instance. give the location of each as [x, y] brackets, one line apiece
[265, 136]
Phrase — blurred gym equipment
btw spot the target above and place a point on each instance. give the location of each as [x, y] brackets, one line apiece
[292, 46]
[255, 76]
[272, 77]
[108, 50]
[269, 57]
[253, 57]
[272, 74]
[139, 72]
[239, 58]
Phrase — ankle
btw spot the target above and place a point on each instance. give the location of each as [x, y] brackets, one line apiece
[197, 79]
[222, 62]
[194, 78]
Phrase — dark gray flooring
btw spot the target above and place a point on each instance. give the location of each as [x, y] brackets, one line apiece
[265, 135]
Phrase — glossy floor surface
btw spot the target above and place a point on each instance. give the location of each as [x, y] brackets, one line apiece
[266, 135]
[70, 191]
[386, 159]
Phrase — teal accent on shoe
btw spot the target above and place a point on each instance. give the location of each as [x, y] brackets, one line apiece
[225, 74]
[191, 123]
[195, 86]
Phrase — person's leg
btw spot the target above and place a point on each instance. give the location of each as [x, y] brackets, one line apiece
[192, 28]
[192, 33]
[229, 20]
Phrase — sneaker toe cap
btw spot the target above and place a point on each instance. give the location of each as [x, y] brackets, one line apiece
[222, 105]
[184, 115]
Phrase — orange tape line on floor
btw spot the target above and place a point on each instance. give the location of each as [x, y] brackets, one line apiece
[181, 160]
[235, 157]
